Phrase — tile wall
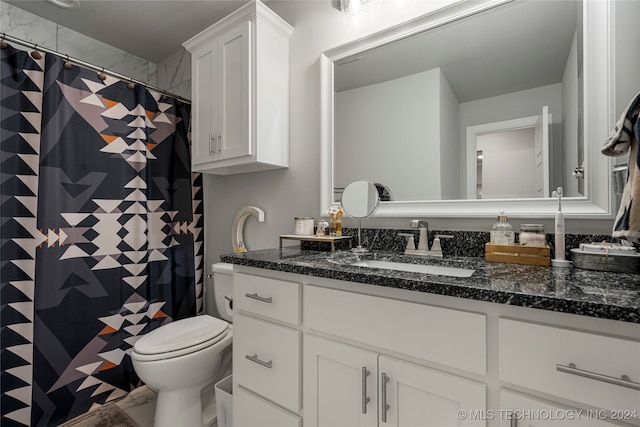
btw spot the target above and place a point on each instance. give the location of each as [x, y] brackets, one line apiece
[172, 74]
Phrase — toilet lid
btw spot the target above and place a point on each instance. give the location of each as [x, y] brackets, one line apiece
[181, 334]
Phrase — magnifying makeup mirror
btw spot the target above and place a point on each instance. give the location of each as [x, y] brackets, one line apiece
[360, 201]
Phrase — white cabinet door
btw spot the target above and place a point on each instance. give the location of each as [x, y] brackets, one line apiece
[337, 390]
[204, 62]
[249, 410]
[518, 410]
[414, 395]
[234, 93]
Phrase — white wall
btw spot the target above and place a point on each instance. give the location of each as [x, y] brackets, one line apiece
[375, 119]
[450, 148]
[570, 119]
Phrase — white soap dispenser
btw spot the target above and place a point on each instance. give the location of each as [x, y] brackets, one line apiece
[559, 259]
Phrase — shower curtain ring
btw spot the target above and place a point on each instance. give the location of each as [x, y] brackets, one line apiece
[102, 75]
[3, 44]
[36, 54]
[67, 64]
[131, 85]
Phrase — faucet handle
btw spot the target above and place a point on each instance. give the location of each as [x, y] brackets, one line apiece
[411, 244]
[435, 246]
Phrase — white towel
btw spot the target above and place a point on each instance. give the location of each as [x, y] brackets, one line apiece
[624, 139]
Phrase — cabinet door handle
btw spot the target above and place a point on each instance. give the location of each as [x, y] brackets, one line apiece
[219, 142]
[365, 399]
[254, 358]
[255, 296]
[211, 143]
[624, 381]
[385, 406]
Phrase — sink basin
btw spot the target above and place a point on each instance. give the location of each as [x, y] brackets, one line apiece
[417, 268]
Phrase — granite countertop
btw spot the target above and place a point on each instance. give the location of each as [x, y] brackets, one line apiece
[569, 290]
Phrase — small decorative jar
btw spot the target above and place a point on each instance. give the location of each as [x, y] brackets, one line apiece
[532, 235]
[304, 226]
[323, 228]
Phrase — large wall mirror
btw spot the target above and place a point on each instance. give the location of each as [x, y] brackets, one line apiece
[478, 107]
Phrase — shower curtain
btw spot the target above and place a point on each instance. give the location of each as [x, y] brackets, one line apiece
[101, 233]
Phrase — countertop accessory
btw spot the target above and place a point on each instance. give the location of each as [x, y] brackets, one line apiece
[330, 239]
[502, 232]
[606, 256]
[360, 200]
[303, 226]
[532, 235]
[237, 228]
[518, 254]
[559, 259]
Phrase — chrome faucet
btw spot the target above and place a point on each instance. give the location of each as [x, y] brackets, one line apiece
[424, 248]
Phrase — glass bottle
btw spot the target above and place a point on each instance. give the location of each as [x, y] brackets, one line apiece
[335, 227]
[502, 232]
[323, 228]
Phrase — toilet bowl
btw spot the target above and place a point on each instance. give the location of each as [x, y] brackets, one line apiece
[181, 359]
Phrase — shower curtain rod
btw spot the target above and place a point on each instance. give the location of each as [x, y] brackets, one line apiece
[7, 37]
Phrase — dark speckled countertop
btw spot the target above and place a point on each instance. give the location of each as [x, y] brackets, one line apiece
[569, 290]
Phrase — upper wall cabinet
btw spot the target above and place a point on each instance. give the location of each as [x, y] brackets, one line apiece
[240, 93]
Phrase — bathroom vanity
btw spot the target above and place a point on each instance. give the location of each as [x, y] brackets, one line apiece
[321, 342]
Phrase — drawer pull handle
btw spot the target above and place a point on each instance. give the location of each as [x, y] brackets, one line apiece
[385, 406]
[365, 399]
[254, 358]
[259, 298]
[625, 381]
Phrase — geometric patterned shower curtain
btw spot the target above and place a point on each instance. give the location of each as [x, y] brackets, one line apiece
[101, 233]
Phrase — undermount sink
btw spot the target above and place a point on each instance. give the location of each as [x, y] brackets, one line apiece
[416, 268]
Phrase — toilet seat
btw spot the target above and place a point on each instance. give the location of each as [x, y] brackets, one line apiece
[180, 337]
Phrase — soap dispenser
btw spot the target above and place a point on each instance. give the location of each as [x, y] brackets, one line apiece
[502, 232]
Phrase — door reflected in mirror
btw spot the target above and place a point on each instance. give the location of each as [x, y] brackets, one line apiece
[403, 111]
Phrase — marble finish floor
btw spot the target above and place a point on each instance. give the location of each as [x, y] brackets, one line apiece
[139, 405]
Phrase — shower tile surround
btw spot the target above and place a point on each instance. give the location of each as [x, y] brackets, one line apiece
[568, 290]
[27, 26]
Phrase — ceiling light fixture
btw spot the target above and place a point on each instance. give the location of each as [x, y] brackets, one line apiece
[356, 11]
[66, 4]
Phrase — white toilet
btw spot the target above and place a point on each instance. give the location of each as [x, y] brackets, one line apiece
[180, 359]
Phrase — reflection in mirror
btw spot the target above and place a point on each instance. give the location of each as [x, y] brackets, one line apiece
[360, 200]
[414, 113]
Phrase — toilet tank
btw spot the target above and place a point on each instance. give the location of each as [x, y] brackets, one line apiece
[215, 302]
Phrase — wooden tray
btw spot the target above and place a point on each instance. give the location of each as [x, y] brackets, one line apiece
[518, 254]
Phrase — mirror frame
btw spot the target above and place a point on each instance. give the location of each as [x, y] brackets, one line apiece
[598, 118]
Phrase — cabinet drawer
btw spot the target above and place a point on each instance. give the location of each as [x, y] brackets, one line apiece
[449, 337]
[276, 299]
[250, 410]
[531, 354]
[266, 360]
[528, 411]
